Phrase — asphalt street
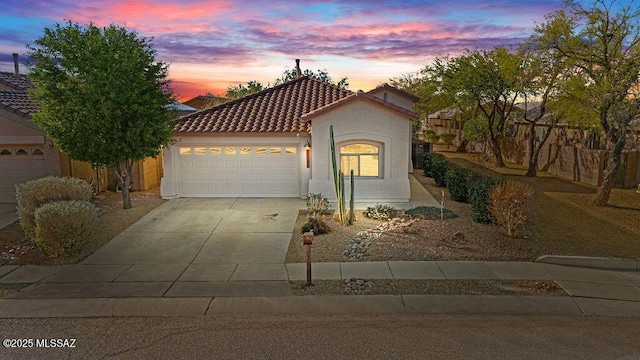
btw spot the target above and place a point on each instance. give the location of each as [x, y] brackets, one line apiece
[329, 337]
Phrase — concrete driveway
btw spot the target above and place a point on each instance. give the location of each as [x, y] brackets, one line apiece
[222, 231]
[8, 215]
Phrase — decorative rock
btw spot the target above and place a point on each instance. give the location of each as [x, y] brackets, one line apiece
[357, 286]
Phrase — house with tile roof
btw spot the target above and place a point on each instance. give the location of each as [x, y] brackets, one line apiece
[276, 143]
[27, 153]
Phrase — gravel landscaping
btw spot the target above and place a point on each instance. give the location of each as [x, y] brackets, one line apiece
[17, 249]
[428, 287]
[563, 221]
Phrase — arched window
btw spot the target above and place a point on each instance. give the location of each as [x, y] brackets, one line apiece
[5, 152]
[22, 152]
[362, 158]
[37, 152]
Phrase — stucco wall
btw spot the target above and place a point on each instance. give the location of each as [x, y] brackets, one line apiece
[362, 120]
[169, 185]
[393, 97]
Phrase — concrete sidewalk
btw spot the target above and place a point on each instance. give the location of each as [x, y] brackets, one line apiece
[105, 290]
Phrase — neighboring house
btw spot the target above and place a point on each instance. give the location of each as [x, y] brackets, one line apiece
[202, 102]
[276, 143]
[449, 120]
[27, 153]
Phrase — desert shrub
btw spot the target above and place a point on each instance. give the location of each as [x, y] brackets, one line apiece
[62, 226]
[430, 213]
[457, 180]
[317, 225]
[380, 212]
[433, 138]
[428, 133]
[447, 138]
[35, 193]
[439, 167]
[508, 205]
[478, 197]
[317, 204]
[435, 165]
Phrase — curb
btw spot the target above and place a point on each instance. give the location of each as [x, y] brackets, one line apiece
[295, 305]
[591, 262]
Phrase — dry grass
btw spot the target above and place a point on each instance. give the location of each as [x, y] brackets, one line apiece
[112, 220]
[435, 287]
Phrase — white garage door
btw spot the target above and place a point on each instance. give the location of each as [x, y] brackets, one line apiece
[224, 171]
[19, 164]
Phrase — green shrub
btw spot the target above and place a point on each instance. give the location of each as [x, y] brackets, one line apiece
[380, 212]
[430, 213]
[478, 197]
[447, 138]
[62, 226]
[432, 163]
[33, 194]
[439, 167]
[317, 225]
[457, 181]
[508, 205]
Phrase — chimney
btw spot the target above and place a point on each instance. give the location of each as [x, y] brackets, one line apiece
[15, 63]
[298, 72]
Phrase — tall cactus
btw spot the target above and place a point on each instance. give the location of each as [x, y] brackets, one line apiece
[338, 181]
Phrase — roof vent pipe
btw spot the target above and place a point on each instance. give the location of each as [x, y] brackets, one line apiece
[298, 72]
[15, 63]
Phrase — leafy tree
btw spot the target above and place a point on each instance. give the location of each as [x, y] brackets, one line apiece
[485, 80]
[540, 79]
[102, 96]
[476, 130]
[291, 74]
[239, 91]
[603, 46]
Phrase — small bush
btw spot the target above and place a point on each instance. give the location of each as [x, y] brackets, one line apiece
[317, 204]
[430, 213]
[447, 138]
[33, 194]
[435, 165]
[439, 166]
[62, 226]
[317, 225]
[478, 197]
[508, 205]
[380, 212]
[457, 180]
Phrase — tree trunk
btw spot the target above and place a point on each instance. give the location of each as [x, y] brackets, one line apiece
[123, 174]
[612, 162]
[497, 152]
[463, 146]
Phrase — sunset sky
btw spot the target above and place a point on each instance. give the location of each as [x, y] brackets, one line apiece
[213, 44]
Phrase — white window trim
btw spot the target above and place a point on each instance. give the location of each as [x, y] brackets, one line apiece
[377, 144]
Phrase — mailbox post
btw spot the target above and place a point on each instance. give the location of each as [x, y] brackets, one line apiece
[307, 240]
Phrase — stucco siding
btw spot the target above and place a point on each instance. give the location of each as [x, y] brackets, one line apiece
[363, 121]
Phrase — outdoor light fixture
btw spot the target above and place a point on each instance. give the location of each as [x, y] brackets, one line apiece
[307, 152]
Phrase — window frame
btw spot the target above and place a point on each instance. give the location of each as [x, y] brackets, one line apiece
[380, 153]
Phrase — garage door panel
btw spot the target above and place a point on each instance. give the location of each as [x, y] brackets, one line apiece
[16, 169]
[252, 172]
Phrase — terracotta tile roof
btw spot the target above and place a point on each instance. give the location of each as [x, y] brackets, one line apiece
[275, 110]
[16, 82]
[17, 102]
[365, 96]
